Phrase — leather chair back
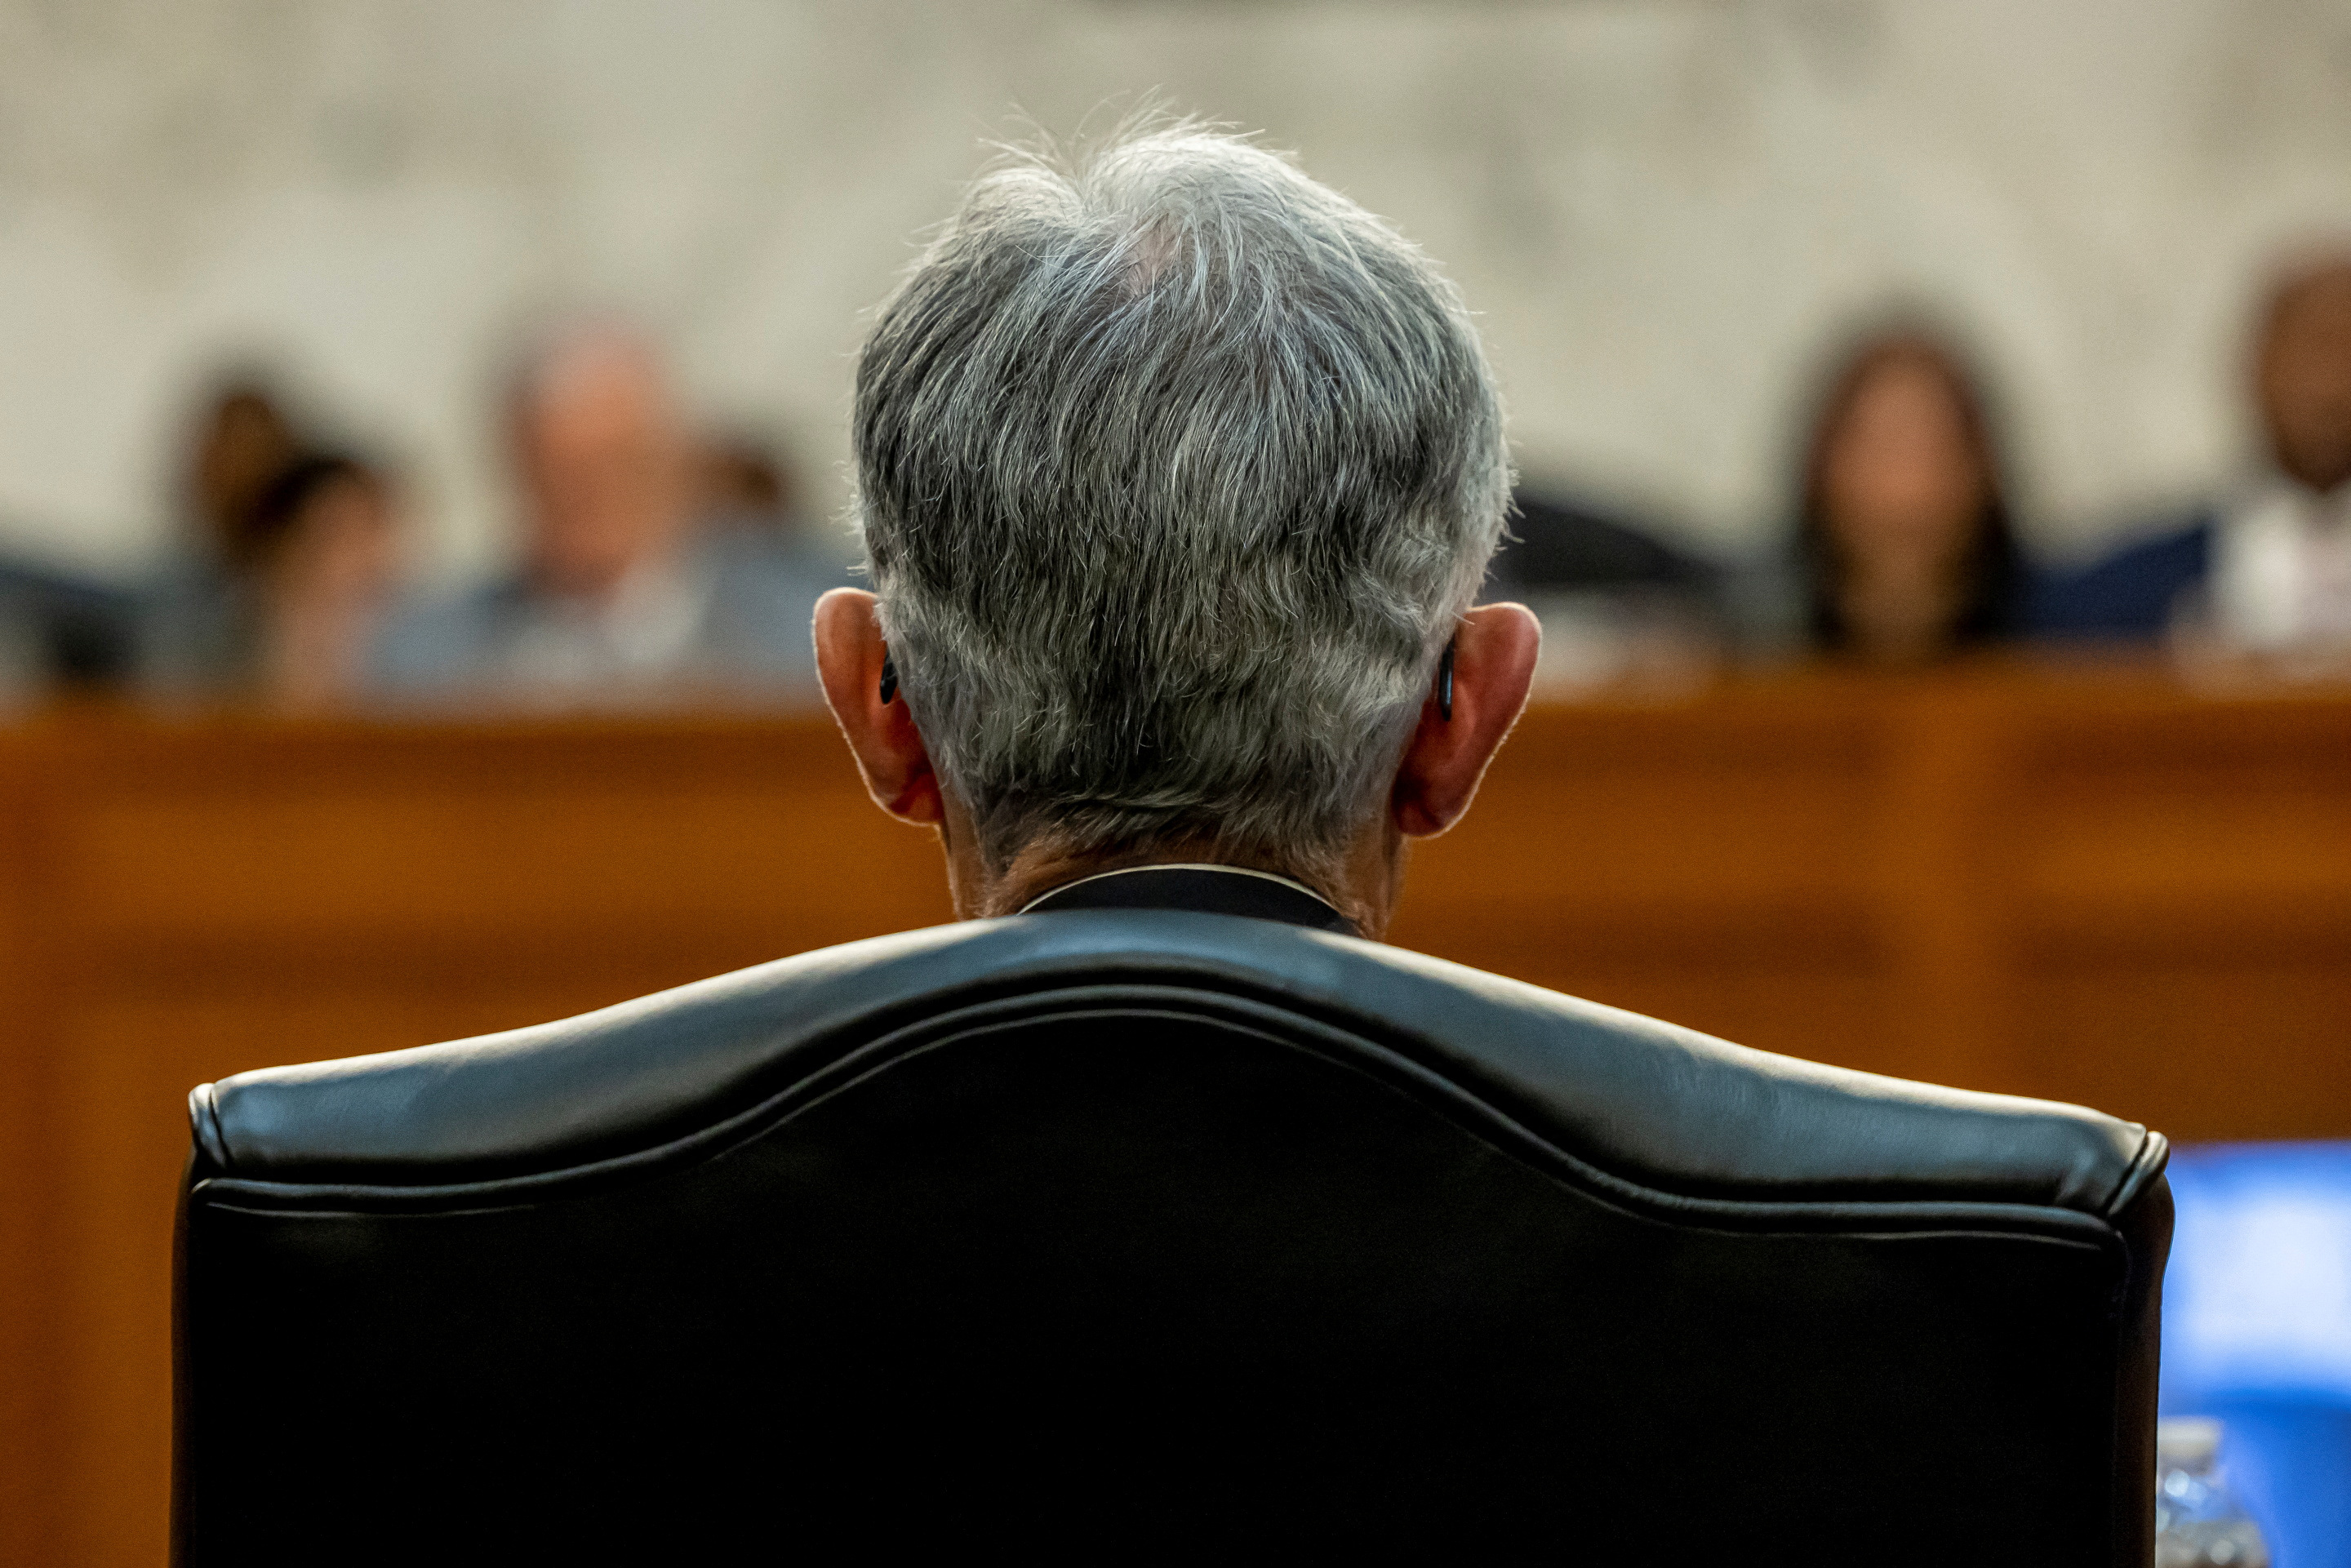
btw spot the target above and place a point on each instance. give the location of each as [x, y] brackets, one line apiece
[1122, 1233]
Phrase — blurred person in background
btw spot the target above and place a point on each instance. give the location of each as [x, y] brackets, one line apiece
[244, 442]
[623, 592]
[60, 630]
[748, 500]
[196, 623]
[2268, 570]
[326, 537]
[1902, 552]
[740, 480]
[1618, 605]
[1561, 543]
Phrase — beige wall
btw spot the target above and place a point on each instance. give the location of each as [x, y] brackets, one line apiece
[1660, 208]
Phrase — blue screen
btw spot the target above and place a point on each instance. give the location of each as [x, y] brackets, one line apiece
[2257, 1331]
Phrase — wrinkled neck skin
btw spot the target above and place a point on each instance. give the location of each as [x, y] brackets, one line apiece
[1364, 886]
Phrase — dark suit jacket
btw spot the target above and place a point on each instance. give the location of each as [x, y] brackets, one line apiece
[2130, 594]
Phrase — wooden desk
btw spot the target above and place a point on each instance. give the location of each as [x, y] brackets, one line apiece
[2088, 886]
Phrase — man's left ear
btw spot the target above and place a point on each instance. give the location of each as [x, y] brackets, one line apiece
[1493, 666]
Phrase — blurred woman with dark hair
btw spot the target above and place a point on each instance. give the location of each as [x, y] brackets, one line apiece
[1903, 536]
[287, 611]
[324, 538]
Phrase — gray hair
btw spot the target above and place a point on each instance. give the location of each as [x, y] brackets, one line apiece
[1175, 470]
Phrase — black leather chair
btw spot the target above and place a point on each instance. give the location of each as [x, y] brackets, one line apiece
[1129, 1234]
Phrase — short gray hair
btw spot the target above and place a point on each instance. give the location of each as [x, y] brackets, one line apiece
[1175, 470]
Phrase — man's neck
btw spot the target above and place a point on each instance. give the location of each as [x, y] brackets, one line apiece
[1205, 887]
[1361, 886]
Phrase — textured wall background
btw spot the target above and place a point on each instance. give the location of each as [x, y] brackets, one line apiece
[1662, 210]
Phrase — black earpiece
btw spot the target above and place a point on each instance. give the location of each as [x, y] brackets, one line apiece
[890, 679]
[1445, 684]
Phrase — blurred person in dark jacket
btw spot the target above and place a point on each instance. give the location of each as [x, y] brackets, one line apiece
[1902, 552]
[62, 631]
[622, 594]
[1561, 543]
[2267, 568]
[195, 630]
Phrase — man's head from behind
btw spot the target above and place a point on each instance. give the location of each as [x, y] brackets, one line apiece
[602, 457]
[1178, 473]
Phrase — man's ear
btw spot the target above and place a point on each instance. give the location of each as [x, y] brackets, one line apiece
[1494, 649]
[890, 756]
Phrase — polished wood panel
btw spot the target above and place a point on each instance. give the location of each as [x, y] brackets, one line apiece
[2085, 883]
[211, 897]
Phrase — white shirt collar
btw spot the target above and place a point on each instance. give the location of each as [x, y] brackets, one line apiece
[2280, 570]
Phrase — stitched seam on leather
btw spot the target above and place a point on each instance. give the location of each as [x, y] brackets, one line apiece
[764, 1030]
[1472, 1114]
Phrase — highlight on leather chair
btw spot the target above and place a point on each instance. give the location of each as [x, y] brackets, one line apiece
[1118, 1234]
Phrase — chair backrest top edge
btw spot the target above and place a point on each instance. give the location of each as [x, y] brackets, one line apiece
[1663, 1109]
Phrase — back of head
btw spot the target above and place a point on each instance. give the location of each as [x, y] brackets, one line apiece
[1174, 470]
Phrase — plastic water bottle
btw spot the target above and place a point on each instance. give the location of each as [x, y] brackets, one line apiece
[2198, 1523]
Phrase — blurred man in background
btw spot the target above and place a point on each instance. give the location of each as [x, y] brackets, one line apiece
[2269, 571]
[623, 593]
